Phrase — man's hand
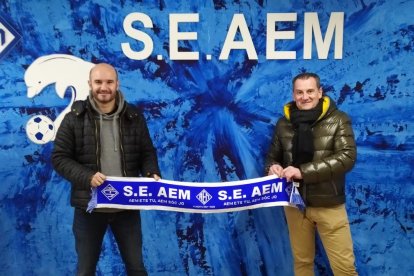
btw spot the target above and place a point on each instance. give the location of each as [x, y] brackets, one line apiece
[97, 179]
[156, 177]
[275, 169]
[291, 173]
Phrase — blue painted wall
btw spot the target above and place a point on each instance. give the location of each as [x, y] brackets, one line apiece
[212, 121]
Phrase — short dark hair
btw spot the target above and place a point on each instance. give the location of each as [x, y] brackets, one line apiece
[305, 76]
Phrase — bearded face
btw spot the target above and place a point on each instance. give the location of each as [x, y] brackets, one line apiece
[103, 82]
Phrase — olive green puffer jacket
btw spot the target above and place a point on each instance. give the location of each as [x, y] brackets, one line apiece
[323, 183]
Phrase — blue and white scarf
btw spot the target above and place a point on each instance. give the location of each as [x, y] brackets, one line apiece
[149, 194]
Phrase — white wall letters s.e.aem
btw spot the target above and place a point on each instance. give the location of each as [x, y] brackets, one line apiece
[238, 25]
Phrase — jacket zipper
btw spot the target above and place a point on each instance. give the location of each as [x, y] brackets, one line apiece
[121, 147]
[97, 141]
[334, 187]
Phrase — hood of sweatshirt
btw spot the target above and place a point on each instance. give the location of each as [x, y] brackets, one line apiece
[113, 116]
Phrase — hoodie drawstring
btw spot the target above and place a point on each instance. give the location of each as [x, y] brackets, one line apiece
[115, 132]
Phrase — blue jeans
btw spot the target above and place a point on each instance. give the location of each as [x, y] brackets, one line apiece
[89, 230]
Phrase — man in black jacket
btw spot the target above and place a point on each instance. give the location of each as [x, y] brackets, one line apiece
[314, 145]
[104, 135]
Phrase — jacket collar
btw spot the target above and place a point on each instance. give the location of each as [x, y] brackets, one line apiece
[327, 105]
[80, 107]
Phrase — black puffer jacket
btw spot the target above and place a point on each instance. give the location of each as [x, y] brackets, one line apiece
[76, 153]
[335, 154]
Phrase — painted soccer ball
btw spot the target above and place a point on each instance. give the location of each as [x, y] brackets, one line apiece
[40, 129]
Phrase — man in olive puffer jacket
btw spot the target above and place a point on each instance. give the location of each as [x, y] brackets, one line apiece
[104, 135]
[313, 144]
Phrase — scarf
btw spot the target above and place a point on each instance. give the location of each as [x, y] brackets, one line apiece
[302, 141]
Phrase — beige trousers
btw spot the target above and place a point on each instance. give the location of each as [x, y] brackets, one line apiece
[333, 228]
